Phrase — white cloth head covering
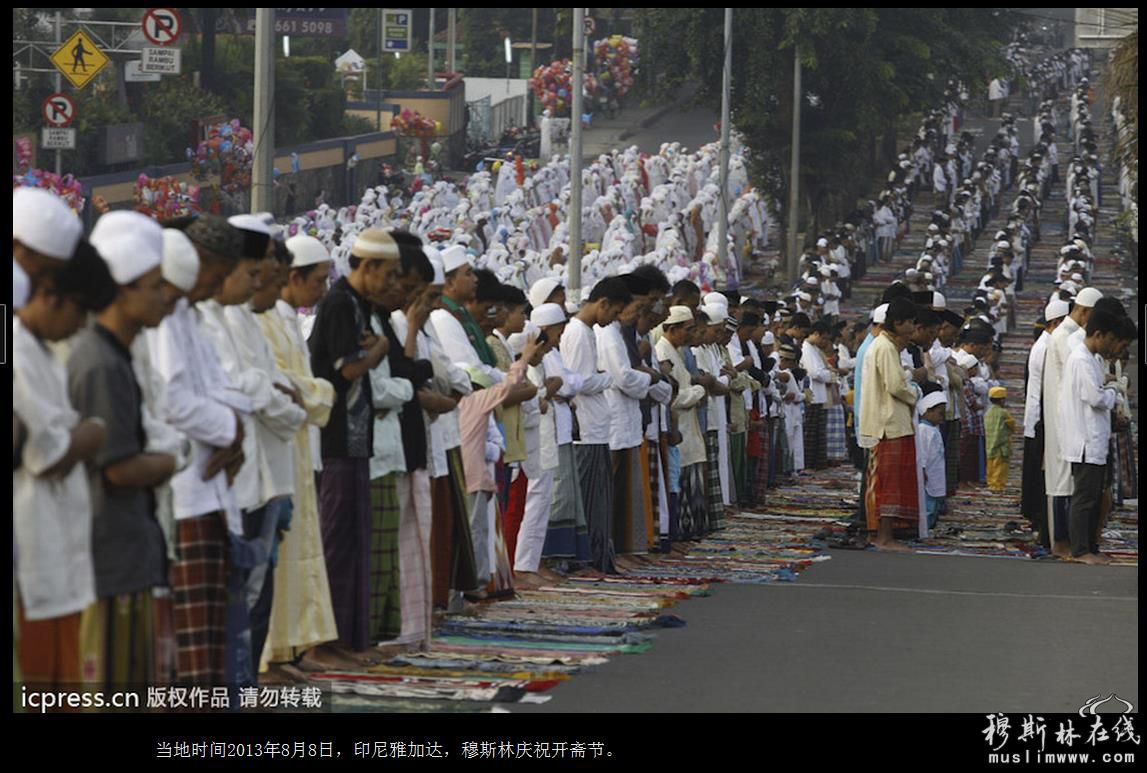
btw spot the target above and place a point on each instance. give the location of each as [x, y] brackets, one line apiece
[939, 301]
[548, 314]
[44, 223]
[130, 243]
[931, 400]
[768, 339]
[812, 281]
[966, 360]
[716, 299]
[822, 242]
[542, 290]
[21, 286]
[716, 314]
[307, 251]
[180, 260]
[439, 270]
[248, 223]
[679, 314]
[879, 314]
[454, 257]
[1087, 297]
[517, 341]
[1056, 309]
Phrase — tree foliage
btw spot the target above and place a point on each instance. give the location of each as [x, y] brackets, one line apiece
[863, 71]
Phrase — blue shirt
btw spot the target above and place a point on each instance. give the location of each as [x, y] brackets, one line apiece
[856, 382]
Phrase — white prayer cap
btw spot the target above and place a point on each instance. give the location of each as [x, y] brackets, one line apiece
[439, 270]
[910, 273]
[769, 339]
[1077, 277]
[541, 290]
[548, 314]
[130, 243]
[716, 299]
[939, 301]
[931, 400]
[180, 260]
[716, 314]
[44, 223]
[21, 286]
[966, 360]
[822, 242]
[375, 244]
[812, 281]
[679, 314]
[1055, 309]
[307, 251]
[825, 271]
[517, 341]
[879, 314]
[254, 223]
[766, 319]
[804, 297]
[454, 257]
[1087, 297]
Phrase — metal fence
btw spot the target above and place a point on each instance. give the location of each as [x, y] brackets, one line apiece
[488, 122]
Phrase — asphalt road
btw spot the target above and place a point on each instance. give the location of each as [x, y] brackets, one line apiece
[877, 632]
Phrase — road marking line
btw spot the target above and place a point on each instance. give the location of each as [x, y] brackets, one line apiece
[932, 591]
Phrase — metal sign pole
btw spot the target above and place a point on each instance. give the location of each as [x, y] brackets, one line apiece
[59, 87]
[575, 155]
[262, 199]
[723, 223]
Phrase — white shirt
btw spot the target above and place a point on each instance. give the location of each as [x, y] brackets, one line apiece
[388, 395]
[1085, 409]
[454, 341]
[812, 360]
[563, 417]
[628, 389]
[930, 445]
[579, 352]
[1034, 394]
[51, 517]
[201, 402]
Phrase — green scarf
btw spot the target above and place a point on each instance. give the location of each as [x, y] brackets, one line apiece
[473, 332]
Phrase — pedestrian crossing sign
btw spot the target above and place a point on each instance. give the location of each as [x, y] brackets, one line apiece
[79, 59]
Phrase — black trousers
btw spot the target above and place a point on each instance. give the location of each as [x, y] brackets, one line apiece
[1083, 521]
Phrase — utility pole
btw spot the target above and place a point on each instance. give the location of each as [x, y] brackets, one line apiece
[452, 34]
[575, 155]
[533, 66]
[794, 169]
[59, 87]
[262, 194]
[723, 223]
[430, 58]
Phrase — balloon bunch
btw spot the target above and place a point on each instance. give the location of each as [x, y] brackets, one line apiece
[411, 123]
[66, 186]
[616, 59]
[24, 151]
[228, 152]
[551, 86]
[165, 198]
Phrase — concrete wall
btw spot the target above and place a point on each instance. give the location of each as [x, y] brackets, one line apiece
[1104, 27]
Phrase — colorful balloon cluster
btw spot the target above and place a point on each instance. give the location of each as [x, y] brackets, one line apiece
[616, 62]
[165, 197]
[66, 186]
[228, 152]
[411, 123]
[551, 86]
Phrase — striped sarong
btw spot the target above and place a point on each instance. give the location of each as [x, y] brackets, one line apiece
[385, 573]
[346, 519]
[199, 599]
[568, 533]
[952, 456]
[716, 503]
[457, 553]
[117, 636]
[414, 502]
[834, 433]
[891, 487]
[652, 454]
[629, 528]
[815, 441]
[760, 485]
[595, 477]
[739, 461]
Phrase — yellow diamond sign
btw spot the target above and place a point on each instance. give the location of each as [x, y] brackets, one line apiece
[79, 59]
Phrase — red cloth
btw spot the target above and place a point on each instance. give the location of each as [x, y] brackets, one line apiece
[514, 513]
[892, 491]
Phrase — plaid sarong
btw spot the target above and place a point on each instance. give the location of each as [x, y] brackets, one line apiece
[891, 490]
[834, 431]
[199, 592]
[815, 441]
[691, 502]
[761, 475]
[117, 637]
[385, 575]
[716, 503]
[595, 476]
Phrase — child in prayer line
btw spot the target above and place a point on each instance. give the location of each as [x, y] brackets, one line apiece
[930, 447]
[999, 426]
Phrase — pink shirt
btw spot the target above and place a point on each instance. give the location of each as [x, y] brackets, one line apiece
[473, 419]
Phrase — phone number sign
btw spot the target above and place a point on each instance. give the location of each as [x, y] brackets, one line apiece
[308, 22]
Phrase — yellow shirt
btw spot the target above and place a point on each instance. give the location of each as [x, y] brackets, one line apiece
[885, 406]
